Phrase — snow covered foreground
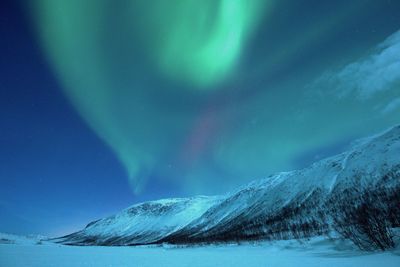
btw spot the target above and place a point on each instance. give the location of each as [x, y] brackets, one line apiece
[318, 252]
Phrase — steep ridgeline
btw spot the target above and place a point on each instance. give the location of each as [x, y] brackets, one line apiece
[355, 194]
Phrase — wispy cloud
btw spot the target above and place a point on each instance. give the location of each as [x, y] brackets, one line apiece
[372, 74]
[391, 106]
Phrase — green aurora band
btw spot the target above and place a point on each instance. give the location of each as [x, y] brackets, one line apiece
[209, 94]
[195, 41]
[192, 42]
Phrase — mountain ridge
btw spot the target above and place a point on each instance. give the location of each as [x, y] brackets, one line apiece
[328, 196]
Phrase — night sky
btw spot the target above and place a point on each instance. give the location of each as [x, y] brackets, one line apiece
[105, 103]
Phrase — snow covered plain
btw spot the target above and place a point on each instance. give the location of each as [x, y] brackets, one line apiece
[317, 252]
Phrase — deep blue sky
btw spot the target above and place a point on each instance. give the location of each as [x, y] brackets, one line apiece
[290, 102]
[55, 173]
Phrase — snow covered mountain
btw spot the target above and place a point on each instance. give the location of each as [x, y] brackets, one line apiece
[143, 223]
[355, 194]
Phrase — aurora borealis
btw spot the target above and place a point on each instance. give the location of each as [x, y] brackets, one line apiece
[196, 42]
[199, 97]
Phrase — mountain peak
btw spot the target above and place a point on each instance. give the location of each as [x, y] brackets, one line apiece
[323, 198]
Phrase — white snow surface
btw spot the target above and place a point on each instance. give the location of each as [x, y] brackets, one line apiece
[318, 252]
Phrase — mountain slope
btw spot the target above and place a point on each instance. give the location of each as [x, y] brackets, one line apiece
[142, 223]
[356, 194]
